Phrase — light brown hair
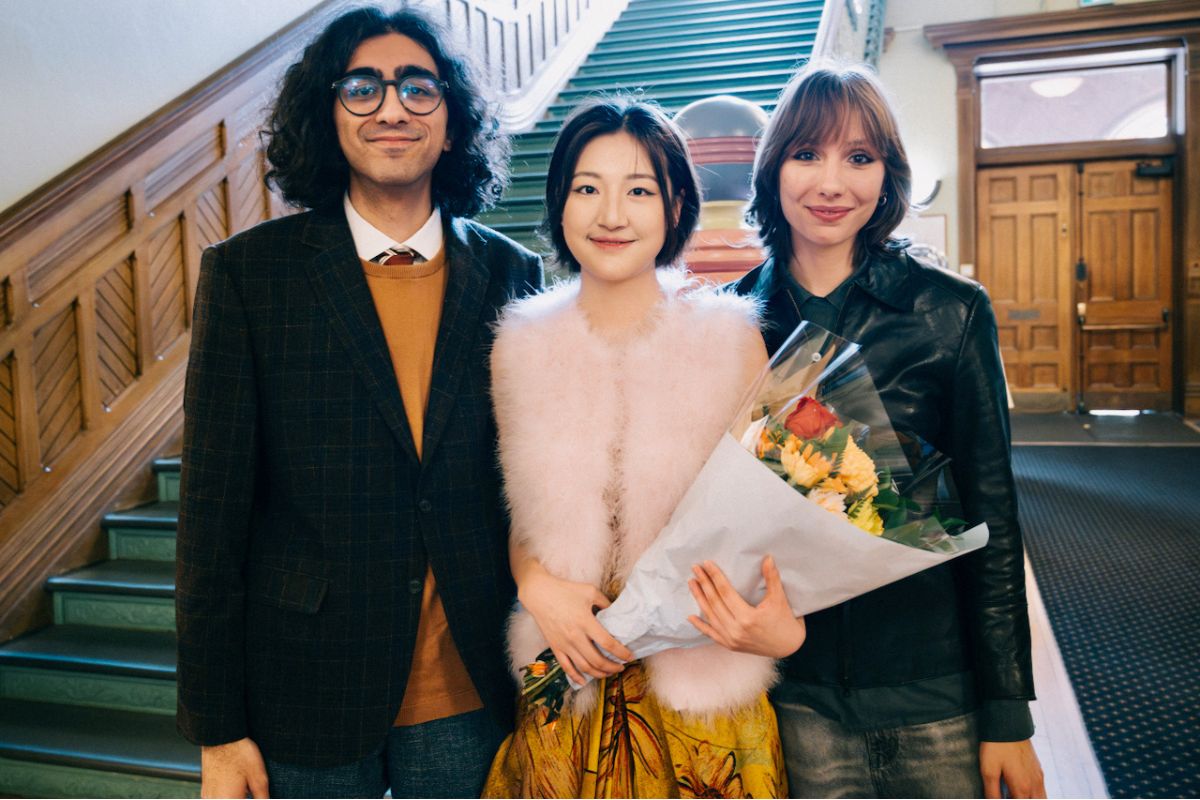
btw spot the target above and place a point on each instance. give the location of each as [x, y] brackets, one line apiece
[815, 107]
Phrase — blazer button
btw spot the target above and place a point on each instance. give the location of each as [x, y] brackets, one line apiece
[415, 586]
[425, 506]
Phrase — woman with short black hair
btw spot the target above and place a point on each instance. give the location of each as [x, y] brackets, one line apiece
[611, 391]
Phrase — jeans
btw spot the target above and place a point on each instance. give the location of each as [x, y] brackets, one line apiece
[825, 759]
[447, 757]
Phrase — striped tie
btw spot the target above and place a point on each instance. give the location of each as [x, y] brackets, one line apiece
[395, 256]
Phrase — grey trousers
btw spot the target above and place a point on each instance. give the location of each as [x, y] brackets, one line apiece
[825, 759]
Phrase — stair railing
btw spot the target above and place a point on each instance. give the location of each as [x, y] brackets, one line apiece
[851, 30]
[530, 48]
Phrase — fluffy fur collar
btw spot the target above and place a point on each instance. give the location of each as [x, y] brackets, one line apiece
[579, 415]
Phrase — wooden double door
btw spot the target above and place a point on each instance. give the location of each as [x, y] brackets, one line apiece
[1078, 261]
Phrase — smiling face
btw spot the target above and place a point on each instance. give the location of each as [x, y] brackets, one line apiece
[392, 151]
[613, 220]
[828, 192]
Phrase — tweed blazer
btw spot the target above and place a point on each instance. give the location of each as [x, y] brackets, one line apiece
[307, 519]
[589, 430]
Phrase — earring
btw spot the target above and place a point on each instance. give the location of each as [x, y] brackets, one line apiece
[883, 199]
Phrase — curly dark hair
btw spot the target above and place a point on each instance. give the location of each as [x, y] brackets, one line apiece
[813, 108]
[306, 161]
[665, 144]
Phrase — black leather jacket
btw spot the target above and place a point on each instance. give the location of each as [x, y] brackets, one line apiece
[929, 339]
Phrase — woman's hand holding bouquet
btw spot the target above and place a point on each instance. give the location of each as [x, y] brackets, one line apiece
[767, 629]
[565, 613]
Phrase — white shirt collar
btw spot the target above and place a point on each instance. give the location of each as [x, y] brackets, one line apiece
[369, 241]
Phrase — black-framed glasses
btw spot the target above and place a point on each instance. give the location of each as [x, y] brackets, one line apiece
[362, 95]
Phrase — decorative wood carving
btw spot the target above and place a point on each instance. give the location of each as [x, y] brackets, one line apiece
[168, 302]
[116, 330]
[59, 398]
[10, 474]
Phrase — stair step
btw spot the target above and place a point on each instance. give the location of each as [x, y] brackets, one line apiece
[122, 593]
[661, 73]
[678, 46]
[166, 470]
[55, 750]
[663, 9]
[735, 18]
[525, 216]
[796, 47]
[745, 28]
[524, 142]
[693, 81]
[132, 670]
[146, 532]
[531, 186]
[84, 648]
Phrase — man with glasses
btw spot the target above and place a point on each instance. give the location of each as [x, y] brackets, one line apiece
[342, 572]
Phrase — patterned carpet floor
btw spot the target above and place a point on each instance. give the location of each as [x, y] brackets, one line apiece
[1113, 535]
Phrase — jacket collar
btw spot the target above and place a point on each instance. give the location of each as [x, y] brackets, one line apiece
[885, 278]
[337, 275]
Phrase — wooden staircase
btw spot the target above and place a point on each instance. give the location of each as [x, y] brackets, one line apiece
[87, 706]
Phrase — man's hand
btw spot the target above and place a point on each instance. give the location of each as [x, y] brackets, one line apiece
[1013, 765]
[233, 770]
[767, 629]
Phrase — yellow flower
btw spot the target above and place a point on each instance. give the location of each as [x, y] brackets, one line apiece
[857, 471]
[806, 467]
[712, 771]
[864, 516]
[833, 484]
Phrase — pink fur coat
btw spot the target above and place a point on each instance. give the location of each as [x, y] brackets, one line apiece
[589, 429]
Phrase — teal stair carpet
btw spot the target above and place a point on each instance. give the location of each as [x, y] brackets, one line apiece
[87, 706]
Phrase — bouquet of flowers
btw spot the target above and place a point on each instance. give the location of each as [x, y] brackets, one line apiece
[811, 472]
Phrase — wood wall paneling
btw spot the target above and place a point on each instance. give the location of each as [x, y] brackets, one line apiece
[58, 391]
[75, 238]
[116, 331]
[168, 299]
[10, 471]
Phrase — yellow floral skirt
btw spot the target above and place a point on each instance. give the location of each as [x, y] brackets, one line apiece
[630, 745]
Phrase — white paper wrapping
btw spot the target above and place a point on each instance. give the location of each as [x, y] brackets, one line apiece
[736, 512]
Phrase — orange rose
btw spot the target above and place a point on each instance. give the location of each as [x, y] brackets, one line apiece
[810, 420]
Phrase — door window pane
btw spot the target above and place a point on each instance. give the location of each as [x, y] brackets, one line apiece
[1079, 105]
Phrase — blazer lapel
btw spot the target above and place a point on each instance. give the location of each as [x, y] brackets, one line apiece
[337, 275]
[466, 291]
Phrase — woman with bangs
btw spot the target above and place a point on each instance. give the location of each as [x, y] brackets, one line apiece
[920, 688]
[611, 390]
